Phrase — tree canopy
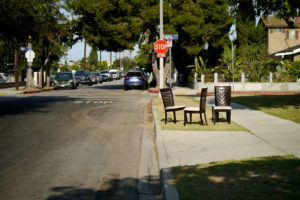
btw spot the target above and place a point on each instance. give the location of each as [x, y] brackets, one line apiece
[111, 25]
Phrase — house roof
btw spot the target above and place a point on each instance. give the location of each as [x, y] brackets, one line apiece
[274, 22]
[289, 51]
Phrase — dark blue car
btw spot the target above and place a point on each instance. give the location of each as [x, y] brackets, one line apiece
[134, 80]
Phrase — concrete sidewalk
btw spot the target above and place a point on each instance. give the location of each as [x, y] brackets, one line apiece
[12, 91]
[268, 136]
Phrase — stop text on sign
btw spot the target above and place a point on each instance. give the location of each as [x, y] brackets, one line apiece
[161, 47]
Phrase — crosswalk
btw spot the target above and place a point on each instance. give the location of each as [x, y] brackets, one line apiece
[91, 101]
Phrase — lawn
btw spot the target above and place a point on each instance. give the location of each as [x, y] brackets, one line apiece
[195, 126]
[283, 106]
[259, 178]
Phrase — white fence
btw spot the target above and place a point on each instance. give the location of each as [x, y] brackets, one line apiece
[248, 86]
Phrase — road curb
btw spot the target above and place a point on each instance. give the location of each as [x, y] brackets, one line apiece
[169, 192]
[37, 91]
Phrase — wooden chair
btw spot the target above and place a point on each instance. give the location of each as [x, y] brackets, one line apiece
[169, 105]
[201, 109]
[222, 103]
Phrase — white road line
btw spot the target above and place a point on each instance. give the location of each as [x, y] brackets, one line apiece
[94, 101]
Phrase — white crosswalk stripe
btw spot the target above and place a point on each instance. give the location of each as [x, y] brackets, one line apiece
[93, 101]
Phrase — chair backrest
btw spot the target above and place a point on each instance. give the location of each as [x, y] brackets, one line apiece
[222, 95]
[167, 97]
[203, 99]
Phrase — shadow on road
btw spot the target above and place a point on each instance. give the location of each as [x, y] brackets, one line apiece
[14, 106]
[110, 87]
[113, 189]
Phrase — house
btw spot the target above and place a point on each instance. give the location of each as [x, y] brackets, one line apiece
[282, 40]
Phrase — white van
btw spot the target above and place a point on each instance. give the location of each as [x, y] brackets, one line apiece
[114, 74]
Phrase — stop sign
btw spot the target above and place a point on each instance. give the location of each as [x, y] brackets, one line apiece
[161, 47]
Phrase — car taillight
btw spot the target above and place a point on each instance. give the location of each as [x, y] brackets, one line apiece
[126, 77]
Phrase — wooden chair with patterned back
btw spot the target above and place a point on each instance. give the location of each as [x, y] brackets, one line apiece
[169, 104]
[201, 109]
[222, 103]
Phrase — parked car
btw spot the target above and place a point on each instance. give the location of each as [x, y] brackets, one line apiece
[135, 79]
[64, 80]
[114, 74]
[83, 77]
[93, 77]
[106, 76]
[98, 77]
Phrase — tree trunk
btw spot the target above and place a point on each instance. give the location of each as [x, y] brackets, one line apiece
[166, 70]
[47, 67]
[41, 78]
[16, 64]
[155, 69]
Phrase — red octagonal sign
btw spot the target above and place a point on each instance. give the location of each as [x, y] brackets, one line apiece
[161, 47]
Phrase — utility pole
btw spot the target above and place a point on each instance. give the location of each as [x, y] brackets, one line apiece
[84, 56]
[29, 73]
[161, 36]
[110, 61]
[120, 60]
[100, 60]
[16, 64]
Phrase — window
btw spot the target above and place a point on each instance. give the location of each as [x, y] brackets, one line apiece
[278, 30]
[292, 35]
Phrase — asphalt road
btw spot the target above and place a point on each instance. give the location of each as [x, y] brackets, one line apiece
[72, 144]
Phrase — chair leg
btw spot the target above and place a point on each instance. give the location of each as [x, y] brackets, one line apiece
[174, 113]
[229, 117]
[201, 121]
[165, 117]
[190, 118]
[212, 114]
[205, 117]
[214, 117]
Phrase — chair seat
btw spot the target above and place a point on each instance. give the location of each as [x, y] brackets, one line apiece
[192, 109]
[175, 107]
[222, 107]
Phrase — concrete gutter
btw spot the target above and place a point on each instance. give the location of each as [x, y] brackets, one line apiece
[169, 191]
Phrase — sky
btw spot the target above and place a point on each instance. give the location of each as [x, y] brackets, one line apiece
[77, 52]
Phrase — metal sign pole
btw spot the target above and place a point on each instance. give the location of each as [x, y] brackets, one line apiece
[29, 74]
[232, 66]
[170, 67]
